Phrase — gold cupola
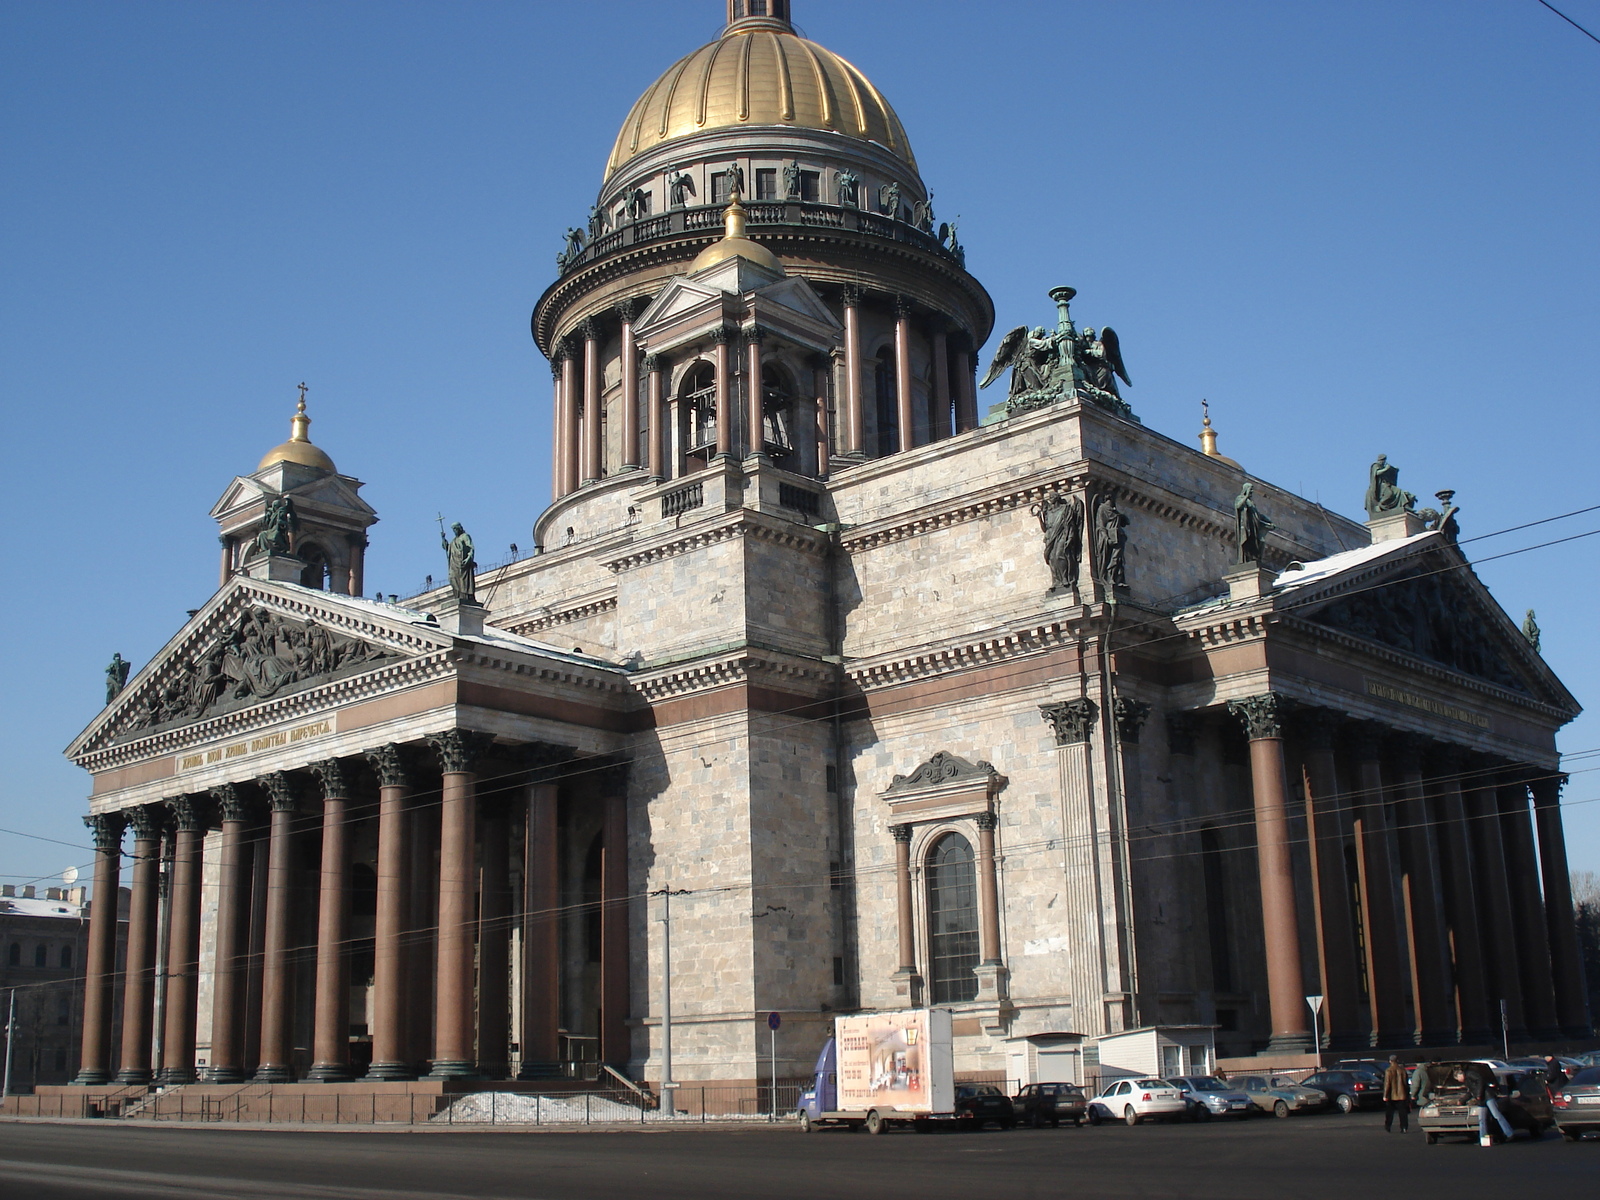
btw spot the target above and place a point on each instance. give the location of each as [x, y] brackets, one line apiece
[759, 73]
[1208, 437]
[298, 449]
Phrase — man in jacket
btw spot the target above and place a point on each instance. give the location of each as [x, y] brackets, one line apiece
[1396, 1096]
[1421, 1084]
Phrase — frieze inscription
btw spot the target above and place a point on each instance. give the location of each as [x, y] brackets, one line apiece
[255, 745]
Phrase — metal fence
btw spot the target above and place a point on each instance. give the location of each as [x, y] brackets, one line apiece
[253, 1104]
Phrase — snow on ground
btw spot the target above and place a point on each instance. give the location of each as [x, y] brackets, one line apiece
[510, 1108]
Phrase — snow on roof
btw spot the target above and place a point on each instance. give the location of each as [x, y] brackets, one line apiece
[39, 908]
[490, 636]
[1302, 574]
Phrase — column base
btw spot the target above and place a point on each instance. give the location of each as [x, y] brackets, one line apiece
[272, 1073]
[134, 1076]
[992, 980]
[1578, 1032]
[1479, 1037]
[1436, 1037]
[1290, 1043]
[174, 1076]
[498, 1070]
[92, 1077]
[451, 1068]
[531, 1071]
[908, 986]
[390, 1072]
[224, 1075]
[1549, 1033]
[330, 1073]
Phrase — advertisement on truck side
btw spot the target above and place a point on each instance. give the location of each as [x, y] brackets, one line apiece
[897, 1060]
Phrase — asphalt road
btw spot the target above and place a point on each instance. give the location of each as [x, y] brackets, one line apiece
[1304, 1157]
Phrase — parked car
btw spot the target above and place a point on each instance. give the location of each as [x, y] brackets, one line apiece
[1370, 1066]
[1576, 1107]
[979, 1103]
[1349, 1090]
[1536, 1063]
[1206, 1096]
[1134, 1100]
[1453, 1107]
[1278, 1094]
[1591, 1059]
[1050, 1103]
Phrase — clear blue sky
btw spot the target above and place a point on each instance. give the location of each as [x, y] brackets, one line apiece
[1355, 227]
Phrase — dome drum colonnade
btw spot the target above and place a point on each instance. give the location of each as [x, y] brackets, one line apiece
[758, 106]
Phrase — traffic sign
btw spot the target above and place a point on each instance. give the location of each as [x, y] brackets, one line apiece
[1315, 1002]
[774, 1020]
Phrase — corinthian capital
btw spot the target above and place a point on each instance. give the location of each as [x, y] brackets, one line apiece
[1262, 716]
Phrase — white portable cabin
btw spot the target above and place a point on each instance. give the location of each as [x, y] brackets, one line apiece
[1045, 1058]
[1158, 1050]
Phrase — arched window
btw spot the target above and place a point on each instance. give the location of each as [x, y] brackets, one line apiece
[41, 956]
[697, 413]
[316, 559]
[66, 956]
[777, 412]
[952, 920]
[887, 410]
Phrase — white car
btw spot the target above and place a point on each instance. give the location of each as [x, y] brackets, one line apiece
[1132, 1100]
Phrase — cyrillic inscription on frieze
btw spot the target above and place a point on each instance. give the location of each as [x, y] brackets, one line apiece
[257, 656]
[1437, 707]
[255, 745]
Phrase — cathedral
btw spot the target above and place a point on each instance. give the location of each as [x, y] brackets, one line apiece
[826, 688]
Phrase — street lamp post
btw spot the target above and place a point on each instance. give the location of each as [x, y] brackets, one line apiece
[668, 1105]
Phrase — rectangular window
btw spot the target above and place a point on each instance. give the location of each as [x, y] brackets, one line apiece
[811, 185]
[838, 971]
[719, 187]
[767, 183]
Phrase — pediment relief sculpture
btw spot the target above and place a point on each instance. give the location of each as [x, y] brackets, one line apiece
[1425, 615]
[256, 656]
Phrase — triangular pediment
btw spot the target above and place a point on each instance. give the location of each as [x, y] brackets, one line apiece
[253, 643]
[799, 296]
[679, 298]
[323, 491]
[1419, 596]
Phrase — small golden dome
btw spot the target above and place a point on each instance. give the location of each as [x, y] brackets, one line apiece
[759, 72]
[1208, 437]
[298, 449]
[734, 244]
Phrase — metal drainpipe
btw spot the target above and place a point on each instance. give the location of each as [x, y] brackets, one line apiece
[1114, 779]
[846, 879]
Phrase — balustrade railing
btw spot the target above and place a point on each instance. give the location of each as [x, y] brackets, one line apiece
[764, 213]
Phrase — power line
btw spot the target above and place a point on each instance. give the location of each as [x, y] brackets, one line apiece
[1569, 21]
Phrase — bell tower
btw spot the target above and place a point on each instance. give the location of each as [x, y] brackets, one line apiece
[296, 518]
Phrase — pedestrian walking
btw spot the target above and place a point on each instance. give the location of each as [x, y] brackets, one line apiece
[1396, 1096]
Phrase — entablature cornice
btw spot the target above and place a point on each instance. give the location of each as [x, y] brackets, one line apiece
[744, 663]
[407, 673]
[1020, 641]
[575, 609]
[743, 523]
[1312, 635]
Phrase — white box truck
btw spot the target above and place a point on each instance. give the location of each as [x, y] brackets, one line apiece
[894, 1068]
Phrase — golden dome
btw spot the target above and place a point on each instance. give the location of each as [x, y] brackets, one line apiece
[759, 72]
[298, 449]
[734, 244]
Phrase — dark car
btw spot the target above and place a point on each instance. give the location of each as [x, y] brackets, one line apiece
[1452, 1106]
[1576, 1107]
[1050, 1103]
[1348, 1090]
[979, 1103]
